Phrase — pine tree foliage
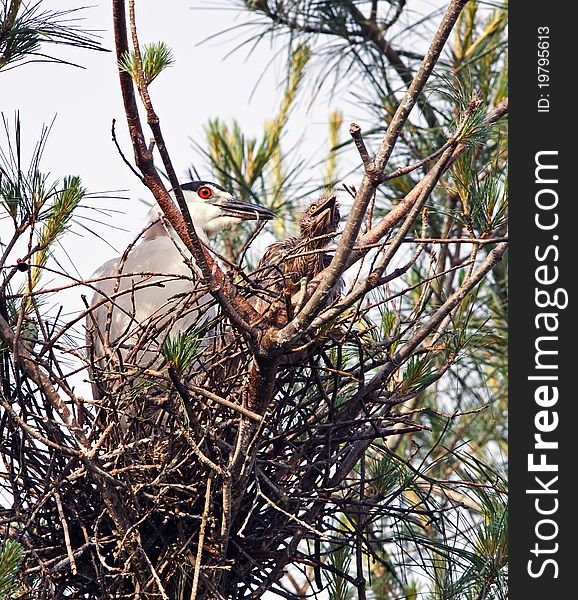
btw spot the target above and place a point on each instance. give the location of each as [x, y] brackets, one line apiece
[156, 57]
[26, 29]
[11, 556]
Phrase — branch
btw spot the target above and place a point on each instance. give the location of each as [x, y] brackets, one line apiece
[122, 156]
[227, 403]
[372, 238]
[154, 123]
[355, 132]
[201, 542]
[362, 443]
[277, 341]
[373, 386]
[115, 506]
[239, 311]
[31, 431]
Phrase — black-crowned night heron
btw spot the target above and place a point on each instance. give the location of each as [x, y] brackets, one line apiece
[288, 266]
[154, 289]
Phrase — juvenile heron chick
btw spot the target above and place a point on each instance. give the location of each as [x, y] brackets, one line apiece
[288, 266]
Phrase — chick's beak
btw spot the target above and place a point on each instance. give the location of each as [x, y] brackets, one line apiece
[245, 210]
[327, 213]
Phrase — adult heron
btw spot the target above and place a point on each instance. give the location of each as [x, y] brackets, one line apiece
[155, 289]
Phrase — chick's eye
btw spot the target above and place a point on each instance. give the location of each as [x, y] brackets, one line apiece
[313, 208]
[205, 192]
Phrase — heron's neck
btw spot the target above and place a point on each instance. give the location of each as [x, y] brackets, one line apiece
[158, 229]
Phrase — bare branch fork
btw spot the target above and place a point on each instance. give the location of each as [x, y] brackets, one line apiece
[259, 388]
[277, 341]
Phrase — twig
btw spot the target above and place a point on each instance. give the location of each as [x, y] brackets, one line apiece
[421, 334]
[360, 525]
[64, 524]
[355, 132]
[123, 157]
[201, 542]
[32, 370]
[154, 574]
[292, 517]
[32, 432]
[400, 210]
[227, 403]
[374, 278]
[409, 168]
[201, 456]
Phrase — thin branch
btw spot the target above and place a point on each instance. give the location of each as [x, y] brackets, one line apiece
[400, 210]
[276, 341]
[427, 186]
[201, 542]
[227, 403]
[374, 279]
[355, 132]
[69, 551]
[121, 153]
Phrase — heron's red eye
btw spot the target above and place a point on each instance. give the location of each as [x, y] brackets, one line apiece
[205, 192]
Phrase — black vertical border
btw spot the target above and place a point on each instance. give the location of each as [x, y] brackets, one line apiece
[530, 132]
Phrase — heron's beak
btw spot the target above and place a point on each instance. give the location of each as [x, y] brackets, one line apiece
[245, 210]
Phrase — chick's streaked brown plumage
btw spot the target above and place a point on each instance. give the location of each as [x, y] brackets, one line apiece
[288, 266]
